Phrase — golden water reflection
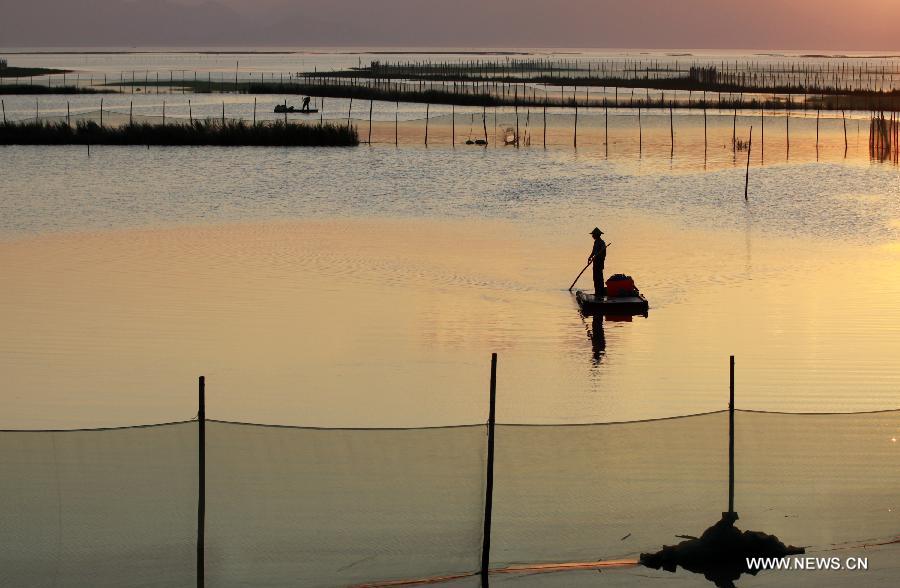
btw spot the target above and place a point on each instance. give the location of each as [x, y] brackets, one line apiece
[391, 323]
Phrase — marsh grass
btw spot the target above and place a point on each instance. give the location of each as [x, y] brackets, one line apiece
[29, 89]
[205, 132]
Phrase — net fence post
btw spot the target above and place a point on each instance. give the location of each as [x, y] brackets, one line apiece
[731, 512]
[201, 498]
[489, 485]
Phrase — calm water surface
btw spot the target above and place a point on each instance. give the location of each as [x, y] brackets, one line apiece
[368, 286]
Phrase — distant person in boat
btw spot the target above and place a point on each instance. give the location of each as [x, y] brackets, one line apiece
[306, 103]
[598, 258]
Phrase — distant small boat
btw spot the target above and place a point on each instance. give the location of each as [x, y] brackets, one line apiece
[283, 109]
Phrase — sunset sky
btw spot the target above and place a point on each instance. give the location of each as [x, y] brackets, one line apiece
[864, 25]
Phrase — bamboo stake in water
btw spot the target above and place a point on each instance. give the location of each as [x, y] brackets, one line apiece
[201, 490]
[575, 137]
[517, 125]
[672, 128]
[844, 117]
[640, 133]
[489, 480]
[787, 126]
[397, 126]
[747, 176]
[3, 103]
[453, 125]
[101, 113]
[545, 124]
[427, 111]
[731, 440]
[734, 132]
[164, 113]
[371, 102]
[130, 113]
[191, 113]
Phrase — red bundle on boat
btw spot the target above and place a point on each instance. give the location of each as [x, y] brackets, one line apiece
[619, 285]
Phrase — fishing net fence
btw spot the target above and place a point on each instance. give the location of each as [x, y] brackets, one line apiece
[338, 507]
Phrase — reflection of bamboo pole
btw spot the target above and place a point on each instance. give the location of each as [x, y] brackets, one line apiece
[787, 126]
[705, 142]
[453, 125]
[516, 110]
[747, 176]
[672, 128]
[371, 102]
[734, 132]
[545, 125]
[844, 117]
[640, 133]
[575, 137]
[397, 126]
[427, 110]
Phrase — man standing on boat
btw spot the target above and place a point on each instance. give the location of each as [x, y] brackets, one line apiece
[598, 258]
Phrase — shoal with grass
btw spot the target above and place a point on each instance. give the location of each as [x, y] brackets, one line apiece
[205, 132]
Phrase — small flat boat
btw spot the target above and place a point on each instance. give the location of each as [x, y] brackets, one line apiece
[622, 299]
[282, 109]
[591, 304]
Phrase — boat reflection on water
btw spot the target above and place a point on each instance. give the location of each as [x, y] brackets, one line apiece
[597, 335]
[598, 339]
[616, 309]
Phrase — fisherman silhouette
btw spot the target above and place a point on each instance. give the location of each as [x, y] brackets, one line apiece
[598, 258]
[306, 103]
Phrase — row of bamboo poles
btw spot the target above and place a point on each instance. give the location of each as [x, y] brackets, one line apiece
[818, 76]
[884, 137]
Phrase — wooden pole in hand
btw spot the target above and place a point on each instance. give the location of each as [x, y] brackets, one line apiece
[579, 276]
